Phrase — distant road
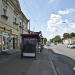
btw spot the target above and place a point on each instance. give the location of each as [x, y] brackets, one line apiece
[62, 49]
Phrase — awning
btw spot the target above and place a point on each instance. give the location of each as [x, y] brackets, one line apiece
[6, 28]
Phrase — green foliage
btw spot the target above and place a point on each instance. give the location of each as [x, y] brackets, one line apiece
[72, 34]
[56, 39]
[66, 35]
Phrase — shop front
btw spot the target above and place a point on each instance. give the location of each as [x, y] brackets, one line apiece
[4, 41]
[8, 38]
[14, 39]
[14, 42]
[4, 37]
[0, 42]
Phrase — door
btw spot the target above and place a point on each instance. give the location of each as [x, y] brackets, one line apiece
[5, 42]
[13, 43]
[0, 43]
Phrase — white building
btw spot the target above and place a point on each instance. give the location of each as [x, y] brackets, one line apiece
[69, 41]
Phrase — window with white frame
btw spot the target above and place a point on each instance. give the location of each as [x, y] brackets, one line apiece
[4, 7]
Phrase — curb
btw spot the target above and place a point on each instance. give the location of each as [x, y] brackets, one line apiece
[53, 67]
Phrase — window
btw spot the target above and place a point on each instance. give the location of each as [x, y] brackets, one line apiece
[20, 22]
[23, 25]
[4, 7]
[20, 27]
[15, 16]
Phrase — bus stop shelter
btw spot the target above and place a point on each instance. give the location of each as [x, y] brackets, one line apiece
[29, 45]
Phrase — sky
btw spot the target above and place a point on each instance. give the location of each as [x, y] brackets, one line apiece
[52, 17]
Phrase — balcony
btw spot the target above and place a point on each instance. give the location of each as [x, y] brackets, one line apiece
[15, 23]
[4, 16]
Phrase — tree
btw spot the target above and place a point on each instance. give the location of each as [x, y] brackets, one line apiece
[72, 34]
[57, 39]
[66, 35]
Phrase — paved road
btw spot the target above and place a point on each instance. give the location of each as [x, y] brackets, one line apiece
[14, 65]
[63, 64]
[62, 49]
[47, 63]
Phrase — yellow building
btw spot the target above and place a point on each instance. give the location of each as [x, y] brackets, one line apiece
[12, 24]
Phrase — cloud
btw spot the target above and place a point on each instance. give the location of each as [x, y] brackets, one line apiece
[54, 22]
[51, 1]
[66, 11]
[72, 25]
[57, 25]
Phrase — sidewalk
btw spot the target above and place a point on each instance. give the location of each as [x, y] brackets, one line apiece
[4, 55]
[10, 51]
[42, 65]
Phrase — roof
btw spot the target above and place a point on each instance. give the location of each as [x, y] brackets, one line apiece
[30, 35]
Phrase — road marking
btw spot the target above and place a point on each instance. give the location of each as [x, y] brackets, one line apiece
[53, 67]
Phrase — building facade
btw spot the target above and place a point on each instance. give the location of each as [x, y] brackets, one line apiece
[69, 41]
[13, 23]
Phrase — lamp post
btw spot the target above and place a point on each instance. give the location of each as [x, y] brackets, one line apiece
[29, 25]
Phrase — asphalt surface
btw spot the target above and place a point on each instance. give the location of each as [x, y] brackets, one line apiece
[62, 49]
[63, 64]
[12, 64]
[46, 63]
[62, 59]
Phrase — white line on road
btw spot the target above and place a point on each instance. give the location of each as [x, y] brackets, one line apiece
[53, 67]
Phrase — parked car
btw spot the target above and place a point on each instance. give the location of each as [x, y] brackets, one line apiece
[71, 45]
